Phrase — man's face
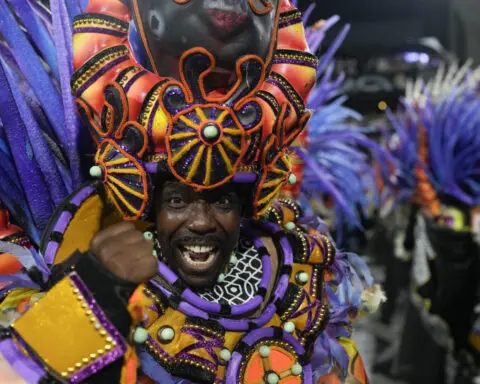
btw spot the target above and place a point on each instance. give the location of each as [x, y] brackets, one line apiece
[197, 231]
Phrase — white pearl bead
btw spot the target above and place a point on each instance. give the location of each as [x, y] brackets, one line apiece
[221, 278]
[290, 226]
[210, 131]
[96, 171]
[302, 277]
[166, 334]
[272, 378]
[289, 327]
[148, 235]
[264, 351]
[140, 335]
[233, 260]
[297, 369]
[155, 254]
[292, 179]
[225, 355]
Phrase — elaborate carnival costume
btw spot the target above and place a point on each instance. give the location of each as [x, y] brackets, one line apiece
[437, 136]
[146, 125]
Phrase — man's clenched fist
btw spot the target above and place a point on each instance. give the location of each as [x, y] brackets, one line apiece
[125, 252]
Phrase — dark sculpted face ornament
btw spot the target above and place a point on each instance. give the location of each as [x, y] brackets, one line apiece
[197, 231]
[228, 28]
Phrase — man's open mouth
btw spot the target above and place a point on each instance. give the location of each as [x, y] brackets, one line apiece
[199, 255]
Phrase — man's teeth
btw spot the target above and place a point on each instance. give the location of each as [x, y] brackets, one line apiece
[199, 254]
[191, 259]
[199, 248]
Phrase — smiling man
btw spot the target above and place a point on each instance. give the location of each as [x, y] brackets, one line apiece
[175, 263]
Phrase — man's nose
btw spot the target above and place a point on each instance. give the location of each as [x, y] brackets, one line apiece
[201, 220]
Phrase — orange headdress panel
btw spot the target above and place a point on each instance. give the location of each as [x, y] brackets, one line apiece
[204, 136]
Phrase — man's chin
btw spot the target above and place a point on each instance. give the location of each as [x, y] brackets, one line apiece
[198, 281]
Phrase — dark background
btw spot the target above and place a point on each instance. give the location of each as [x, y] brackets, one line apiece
[388, 28]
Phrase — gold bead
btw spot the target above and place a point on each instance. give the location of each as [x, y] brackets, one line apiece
[64, 374]
[108, 339]
[100, 351]
[71, 370]
[78, 365]
[85, 360]
[93, 355]
[108, 347]
[103, 332]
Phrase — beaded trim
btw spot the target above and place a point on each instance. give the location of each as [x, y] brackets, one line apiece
[276, 211]
[114, 344]
[127, 74]
[150, 106]
[270, 100]
[288, 56]
[99, 23]
[304, 243]
[289, 18]
[98, 65]
[289, 91]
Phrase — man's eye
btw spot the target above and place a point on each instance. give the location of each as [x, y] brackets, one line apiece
[225, 201]
[176, 202]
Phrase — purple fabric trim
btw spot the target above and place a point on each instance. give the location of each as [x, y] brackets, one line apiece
[100, 73]
[190, 310]
[104, 31]
[82, 195]
[305, 63]
[208, 345]
[50, 252]
[63, 221]
[167, 273]
[267, 270]
[24, 366]
[266, 315]
[281, 287]
[133, 79]
[284, 24]
[151, 167]
[249, 306]
[201, 303]
[245, 177]
[285, 92]
[111, 356]
[234, 325]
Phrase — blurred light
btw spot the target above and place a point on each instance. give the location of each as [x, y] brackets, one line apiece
[382, 106]
[416, 57]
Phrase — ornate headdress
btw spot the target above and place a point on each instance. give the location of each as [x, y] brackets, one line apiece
[436, 135]
[143, 122]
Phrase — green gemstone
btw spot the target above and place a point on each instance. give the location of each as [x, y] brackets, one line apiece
[211, 131]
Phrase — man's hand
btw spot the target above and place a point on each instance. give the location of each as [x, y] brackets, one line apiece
[125, 252]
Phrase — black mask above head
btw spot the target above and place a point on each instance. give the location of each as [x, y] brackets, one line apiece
[228, 29]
